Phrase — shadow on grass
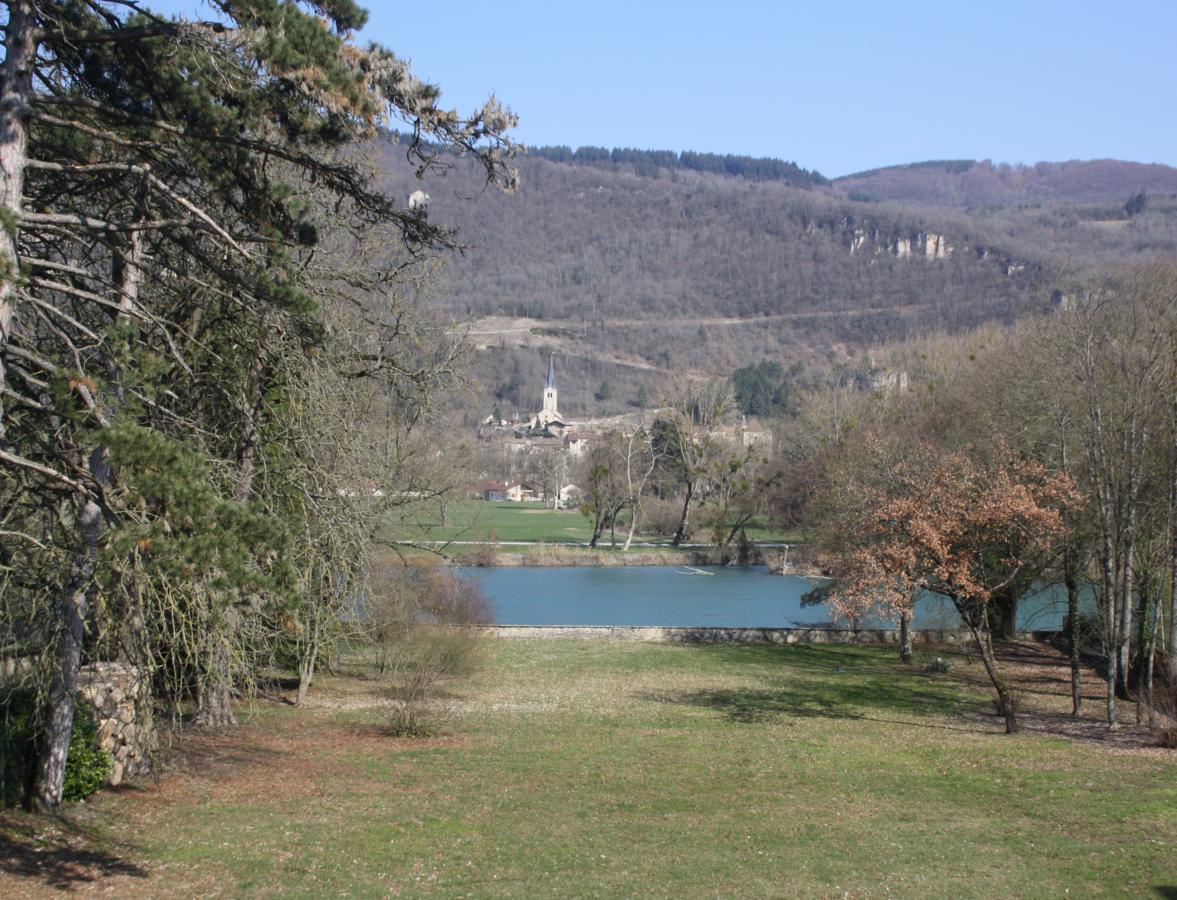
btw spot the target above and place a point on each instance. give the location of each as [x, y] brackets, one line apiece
[828, 681]
[58, 854]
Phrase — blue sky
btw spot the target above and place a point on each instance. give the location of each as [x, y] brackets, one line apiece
[835, 87]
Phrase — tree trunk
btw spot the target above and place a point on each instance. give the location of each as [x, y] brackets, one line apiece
[1110, 631]
[1150, 651]
[1171, 650]
[1006, 707]
[20, 46]
[1005, 615]
[214, 692]
[306, 662]
[1124, 646]
[1074, 636]
[306, 675]
[905, 647]
[73, 606]
[598, 529]
[686, 509]
[633, 526]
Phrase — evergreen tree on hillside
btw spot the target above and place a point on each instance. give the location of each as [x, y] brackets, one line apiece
[763, 389]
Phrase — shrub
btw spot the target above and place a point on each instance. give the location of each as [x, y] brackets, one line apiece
[661, 517]
[486, 554]
[419, 622]
[86, 767]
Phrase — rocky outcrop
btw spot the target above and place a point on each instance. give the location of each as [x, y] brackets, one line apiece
[860, 237]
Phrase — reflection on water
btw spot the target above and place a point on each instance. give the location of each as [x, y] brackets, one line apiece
[726, 597]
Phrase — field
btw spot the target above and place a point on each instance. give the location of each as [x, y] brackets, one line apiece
[509, 524]
[594, 769]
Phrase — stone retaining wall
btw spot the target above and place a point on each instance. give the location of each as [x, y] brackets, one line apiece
[125, 730]
[712, 635]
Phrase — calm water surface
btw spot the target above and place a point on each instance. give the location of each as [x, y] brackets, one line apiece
[665, 595]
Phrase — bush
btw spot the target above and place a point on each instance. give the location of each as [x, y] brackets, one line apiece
[419, 625]
[86, 767]
[661, 517]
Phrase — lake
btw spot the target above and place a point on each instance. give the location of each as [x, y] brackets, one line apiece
[665, 595]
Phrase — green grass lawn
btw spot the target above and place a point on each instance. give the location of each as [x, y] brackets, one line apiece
[599, 769]
[476, 520]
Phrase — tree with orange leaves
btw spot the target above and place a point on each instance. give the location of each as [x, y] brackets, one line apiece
[961, 524]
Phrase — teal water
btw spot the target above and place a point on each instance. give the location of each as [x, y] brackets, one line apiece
[664, 595]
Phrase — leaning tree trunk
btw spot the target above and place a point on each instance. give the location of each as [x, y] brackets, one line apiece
[633, 526]
[1006, 706]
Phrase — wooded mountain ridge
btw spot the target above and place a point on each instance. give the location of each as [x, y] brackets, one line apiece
[637, 277]
[970, 183]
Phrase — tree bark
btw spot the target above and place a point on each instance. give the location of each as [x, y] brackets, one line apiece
[905, 646]
[633, 526]
[686, 509]
[306, 676]
[1006, 707]
[73, 606]
[16, 88]
[1150, 651]
[1074, 635]
[1005, 610]
[214, 690]
[1171, 650]
[306, 662]
[1124, 646]
[1111, 622]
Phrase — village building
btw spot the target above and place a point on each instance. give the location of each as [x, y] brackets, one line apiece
[542, 447]
[549, 418]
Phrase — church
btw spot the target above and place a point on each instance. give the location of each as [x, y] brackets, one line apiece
[549, 418]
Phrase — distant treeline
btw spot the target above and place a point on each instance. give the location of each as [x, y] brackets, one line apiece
[951, 166]
[648, 162]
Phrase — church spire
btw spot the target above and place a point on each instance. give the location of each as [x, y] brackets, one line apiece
[551, 382]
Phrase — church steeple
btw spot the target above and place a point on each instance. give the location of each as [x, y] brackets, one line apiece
[550, 411]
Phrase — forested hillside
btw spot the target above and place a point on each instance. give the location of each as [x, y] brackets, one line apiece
[636, 272]
[971, 183]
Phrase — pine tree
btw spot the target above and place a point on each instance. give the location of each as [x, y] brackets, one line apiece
[157, 195]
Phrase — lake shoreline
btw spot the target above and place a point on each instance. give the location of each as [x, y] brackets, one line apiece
[547, 556]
